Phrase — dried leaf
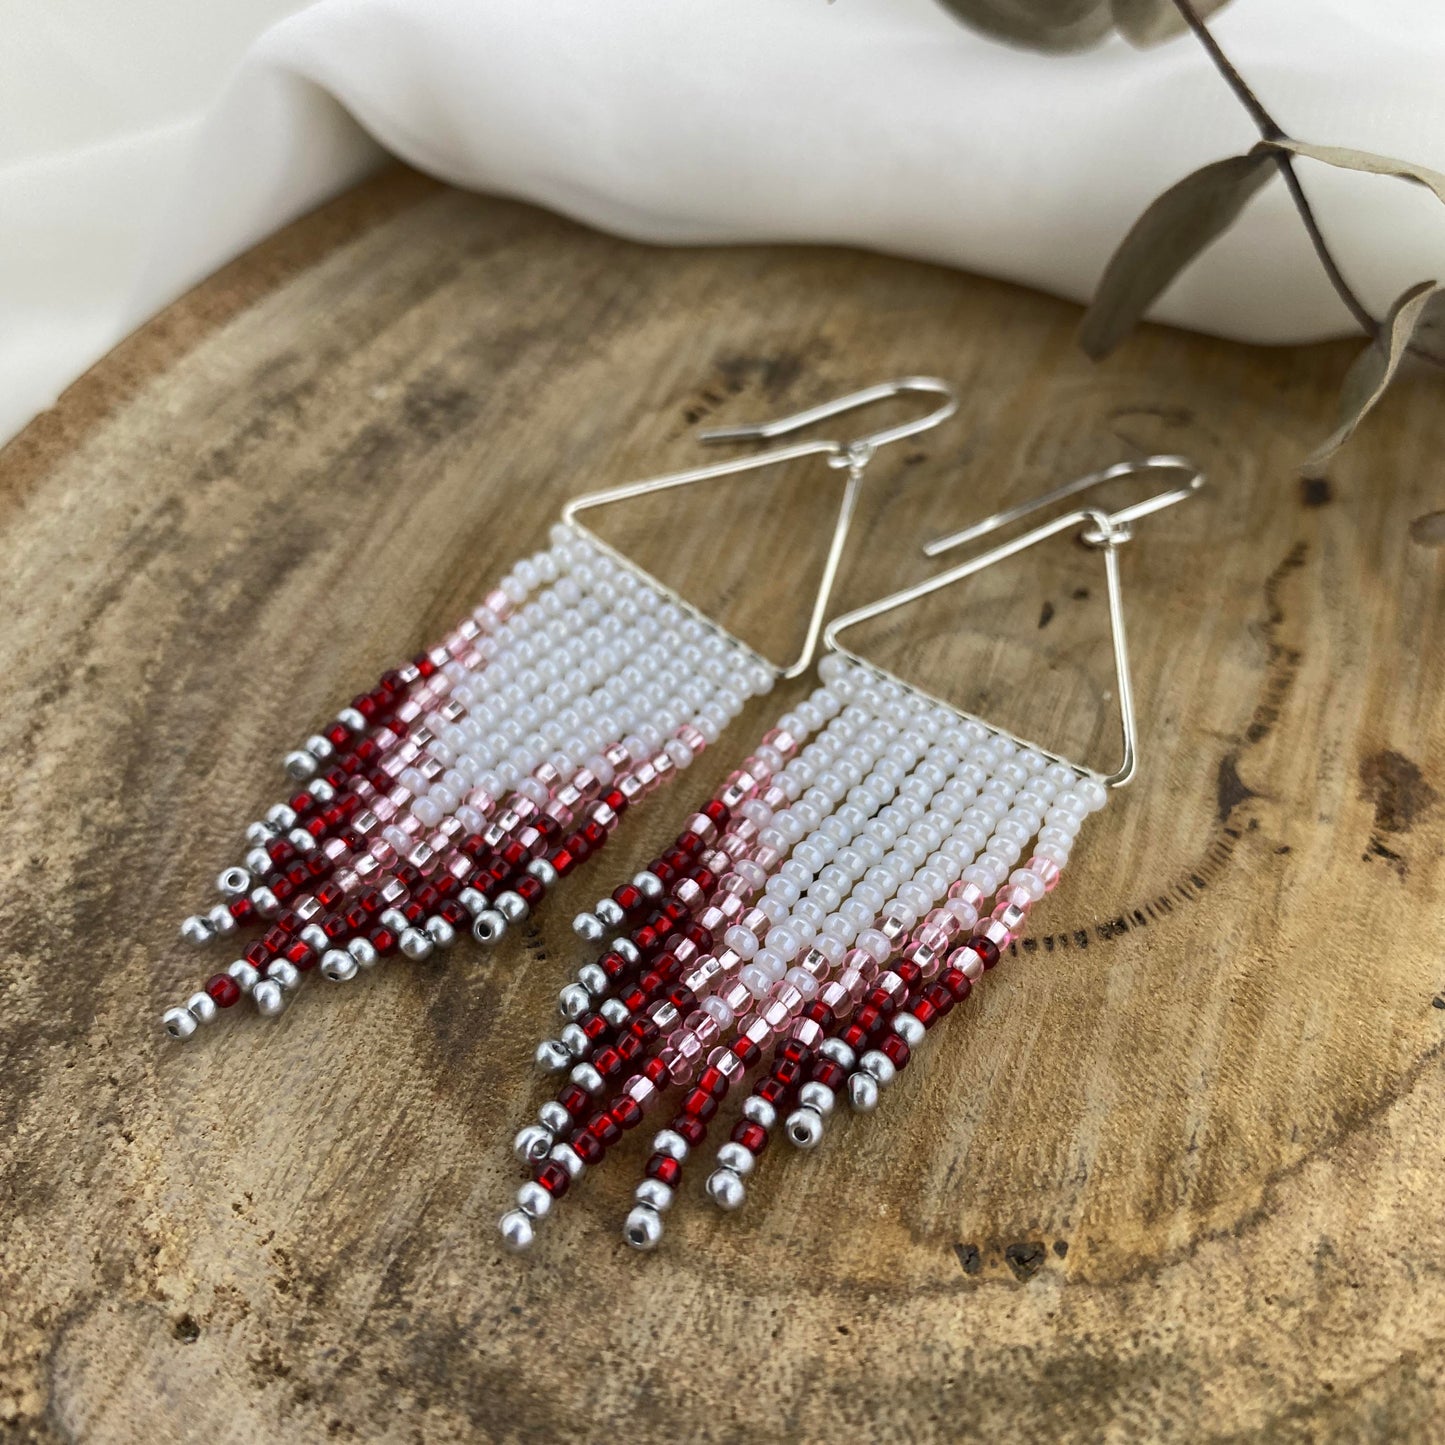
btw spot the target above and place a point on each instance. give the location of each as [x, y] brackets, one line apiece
[1353, 160]
[1373, 370]
[1150, 22]
[1164, 240]
[1053, 25]
[1429, 530]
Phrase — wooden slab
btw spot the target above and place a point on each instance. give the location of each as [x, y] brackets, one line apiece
[1177, 1171]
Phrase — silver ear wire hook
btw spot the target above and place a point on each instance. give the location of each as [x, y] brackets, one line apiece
[1120, 521]
[1105, 530]
[852, 457]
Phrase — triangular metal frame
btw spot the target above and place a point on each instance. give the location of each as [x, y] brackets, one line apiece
[849, 457]
[1101, 533]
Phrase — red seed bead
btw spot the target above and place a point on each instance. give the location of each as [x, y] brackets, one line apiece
[606, 1128]
[713, 1081]
[925, 1013]
[588, 1146]
[302, 955]
[257, 954]
[855, 1036]
[787, 1073]
[628, 897]
[748, 1053]
[718, 812]
[957, 982]
[657, 1072]
[986, 949]
[693, 1130]
[607, 1062]
[626, 1113]
[771, 1090]
[700, 1105]
[576, 1100]
[753, 1137]
[242, 910]
[665, 1169]
[554, 1179]
[897, 1050]
[531, 889]
[825, 1071]
[593, 1026]
[384, 941]
[223, 989]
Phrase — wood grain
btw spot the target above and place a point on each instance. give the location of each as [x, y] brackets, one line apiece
[1177, 1171]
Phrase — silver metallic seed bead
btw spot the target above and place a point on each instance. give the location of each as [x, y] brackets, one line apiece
[568, 1158]
[609, 911]
[247, 975]
[733, 1156]
[300, 765]
[543, 872]
[233, 882]
[269, 997]
[473, 901]
[258, 862]
[301, 840]
[532, 1144]
[394, 919]
[586, 1077]
[179, 1023]
[352, 719]
[489, 927]
[573, 1001]
[315, 935]
[804, 1128]
[655, 1194]
[258, 834]
[551, 1057]
[321, 790]
[614, 1011]
[671, 1143]
[575, 1041]
[879, 1066]
[648, 884]
[222, 921]
[908, 1029]
[337, 965]
[417, 945]
[862, 1093]
[512, 906]
[588, 927]
[517, 1232]
[814, 1095]
[725, 1189]
[838, 1052]
[319, 747]
[197, 931]
[554, 1117]
[594, 979]
[285, 973]
[281, 816]
[643, 1229]
[759, 1111]
[627, 948]
[533, 1200]
[363, 950]
[440, 931]
[266, 902]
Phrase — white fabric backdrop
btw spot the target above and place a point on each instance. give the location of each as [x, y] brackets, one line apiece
[878, 123]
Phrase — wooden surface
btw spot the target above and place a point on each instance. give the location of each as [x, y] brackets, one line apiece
[1177, 1171]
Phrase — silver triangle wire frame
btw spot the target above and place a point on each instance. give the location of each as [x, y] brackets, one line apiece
[1104, 531]
[851, 457]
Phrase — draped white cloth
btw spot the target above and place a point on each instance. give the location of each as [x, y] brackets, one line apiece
[875, 123]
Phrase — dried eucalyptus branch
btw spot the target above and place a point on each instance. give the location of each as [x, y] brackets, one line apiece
[1271, 130]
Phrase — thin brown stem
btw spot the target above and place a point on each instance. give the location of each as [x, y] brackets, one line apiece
[1270, 129]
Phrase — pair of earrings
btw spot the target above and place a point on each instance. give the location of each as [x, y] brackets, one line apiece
[848, 884]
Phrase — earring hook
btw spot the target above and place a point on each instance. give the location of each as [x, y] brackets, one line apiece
[1119, 529]
[852, 457]
[862, 447]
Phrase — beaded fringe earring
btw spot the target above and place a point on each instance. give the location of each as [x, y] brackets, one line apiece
[452, 796]
[863, 876]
